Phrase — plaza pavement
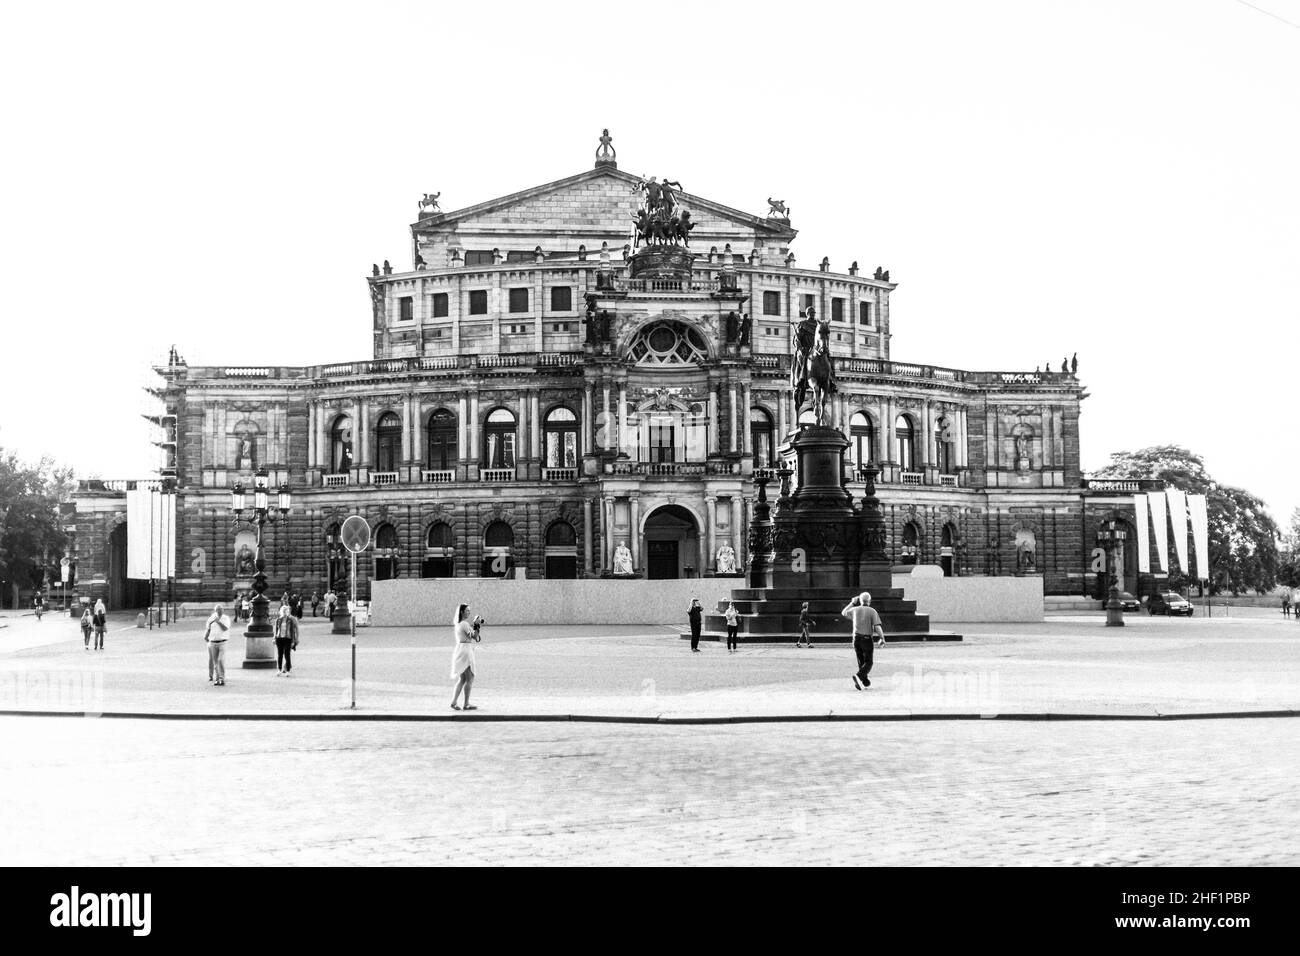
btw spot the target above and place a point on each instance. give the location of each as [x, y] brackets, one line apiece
[1217, 791]
[1064, 666]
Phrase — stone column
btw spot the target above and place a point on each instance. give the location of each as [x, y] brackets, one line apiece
[609, 423]
[715, 425]
[607, 526]
[782, 423]
[732, 400]
[365, 457]
[588, 419]
[737, 526]
[356, 433]
[417, 432]
[311, 434]
[710, 519]
[473, 425]
[521, 436]
[535, 416]
[887, 426]
[634, 530]
[586, 536]
[622, 419]
[406, 429]
[323, 415]
[462, 426]
[927, 455]
[746, 433]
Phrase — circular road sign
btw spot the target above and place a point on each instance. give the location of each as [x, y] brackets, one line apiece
[355, 534]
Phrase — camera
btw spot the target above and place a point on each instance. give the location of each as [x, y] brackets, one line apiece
[477, 622]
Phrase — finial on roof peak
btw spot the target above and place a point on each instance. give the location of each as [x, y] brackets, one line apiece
[605, 153]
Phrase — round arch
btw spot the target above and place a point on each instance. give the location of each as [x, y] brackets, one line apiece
[673, 542]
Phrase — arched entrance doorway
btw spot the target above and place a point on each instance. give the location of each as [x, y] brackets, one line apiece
[672, 543]
[123, 592]
[948, 550]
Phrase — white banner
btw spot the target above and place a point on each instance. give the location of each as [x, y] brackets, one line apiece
[1156, 499]
[150, 534]
[1197, 512]
[1178, 521]
[1144, 539]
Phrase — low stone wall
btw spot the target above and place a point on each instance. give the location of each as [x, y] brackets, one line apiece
[975, 600]
[432, 601]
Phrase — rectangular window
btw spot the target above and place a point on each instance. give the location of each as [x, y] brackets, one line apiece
[440, 305]
[520, 256]
[806, 302]
[478, 302]
[771, 303]
[864, 313]
[479, 258]
[837, 310]
[437, 333]
[518, 300]
[406, 309]
[562, 327]
[561, 299]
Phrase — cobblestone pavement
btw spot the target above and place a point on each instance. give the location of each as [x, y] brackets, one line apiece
[1063, 665]
[84, 792]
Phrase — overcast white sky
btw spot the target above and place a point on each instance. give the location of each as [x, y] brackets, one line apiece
[1120, 179]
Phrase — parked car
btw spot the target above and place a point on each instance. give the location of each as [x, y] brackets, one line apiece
[1127, 602]
[1169, 602]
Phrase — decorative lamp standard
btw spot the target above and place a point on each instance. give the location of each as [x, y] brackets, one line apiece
[1111, 536]
[259, 647]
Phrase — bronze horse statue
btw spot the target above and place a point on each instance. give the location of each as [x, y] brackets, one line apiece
[817, 371]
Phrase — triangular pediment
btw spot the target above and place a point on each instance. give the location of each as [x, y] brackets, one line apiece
[597, 202]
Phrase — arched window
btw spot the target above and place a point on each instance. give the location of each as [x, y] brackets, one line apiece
[386, 552]
[911, 549]
[498, 550]
[905, 431]
[561, 550]
[561, 437]
[668, 343]
[499, 439]
[341, 446]
[439, 547]
[948, 550]
[862, 436]
[388, 442]
[760, 431]
[440, 448]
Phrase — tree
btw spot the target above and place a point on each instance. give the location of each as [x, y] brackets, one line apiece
[30, 537]
[1242, 534]
[1288, 572]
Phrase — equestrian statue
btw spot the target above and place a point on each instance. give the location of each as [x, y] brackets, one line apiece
[811, 366]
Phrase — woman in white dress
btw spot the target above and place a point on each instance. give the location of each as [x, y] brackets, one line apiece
[462, 656]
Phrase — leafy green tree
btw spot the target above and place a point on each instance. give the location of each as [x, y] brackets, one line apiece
[30, 537]
[1242, 534]
[1288, 572]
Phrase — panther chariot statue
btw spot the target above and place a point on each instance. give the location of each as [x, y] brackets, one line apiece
[658, 221]
[811, 367]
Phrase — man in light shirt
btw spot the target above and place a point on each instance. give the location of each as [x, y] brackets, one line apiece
[216, 635]
[866, 628]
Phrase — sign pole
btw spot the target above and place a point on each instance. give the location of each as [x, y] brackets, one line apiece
[352, 597]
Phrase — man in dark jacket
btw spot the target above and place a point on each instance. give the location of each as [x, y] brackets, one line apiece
[696, 615]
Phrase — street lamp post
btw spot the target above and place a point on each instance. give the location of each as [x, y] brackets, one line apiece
[1111, 536]
[259, 646]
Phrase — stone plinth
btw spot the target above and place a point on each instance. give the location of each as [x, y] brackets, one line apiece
[661, 262]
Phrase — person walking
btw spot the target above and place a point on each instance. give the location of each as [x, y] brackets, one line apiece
[247, 606]
[100, 622]
[866, 628]
[38, 605]
[330, 600]
[315, 602]
[286, 640]
[695, 613]
[733, 627]
[216, 634]
[806, 625]
[87, 625]
[1287, 597]
[467, 634]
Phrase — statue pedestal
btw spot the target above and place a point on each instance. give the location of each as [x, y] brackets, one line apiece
[662, 262]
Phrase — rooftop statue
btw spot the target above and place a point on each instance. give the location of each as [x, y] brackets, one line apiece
[605, 154]
[778, 210]
[429, 204]
[656, 221]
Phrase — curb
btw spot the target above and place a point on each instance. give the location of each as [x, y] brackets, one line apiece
[657, 719]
